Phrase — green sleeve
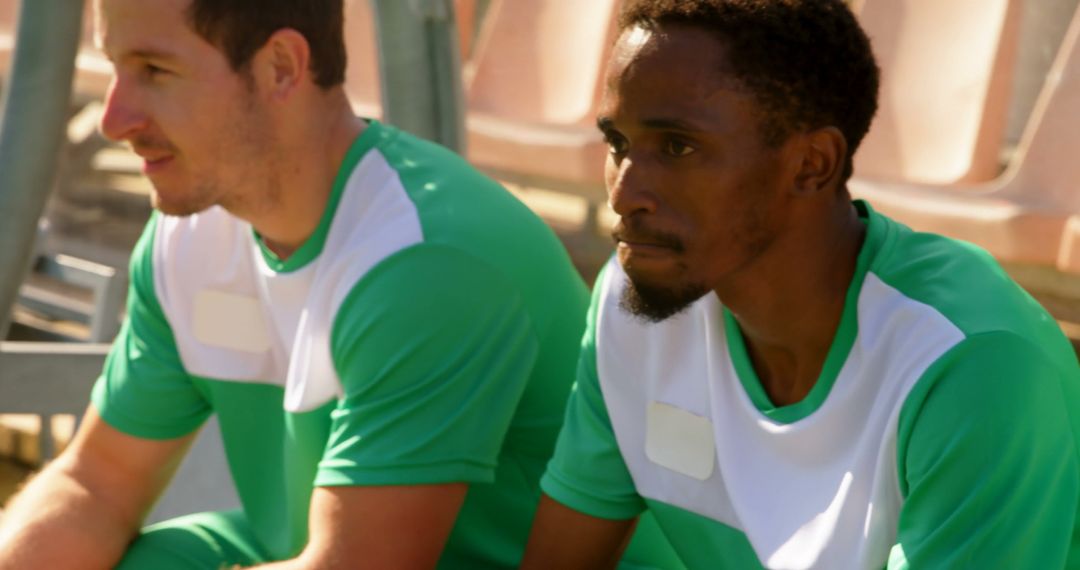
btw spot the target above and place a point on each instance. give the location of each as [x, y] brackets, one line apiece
[144, 390]
[434, 348]
[587, 472]
[987, 460]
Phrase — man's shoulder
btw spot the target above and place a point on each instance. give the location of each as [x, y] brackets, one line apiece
[995, 338]
[960, 281]
[454, 202]
[410, 201]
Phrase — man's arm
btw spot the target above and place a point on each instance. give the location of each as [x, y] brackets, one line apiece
[85, 507]
[589, 507]
[567, 539]
[392, 527]
[431, 377]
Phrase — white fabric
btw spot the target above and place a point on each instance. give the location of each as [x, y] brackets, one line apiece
[798, 491]
[290, 344]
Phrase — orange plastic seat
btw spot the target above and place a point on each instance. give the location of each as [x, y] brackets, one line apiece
[1030, 215]
[8, 23]
[362, 72]
[533, 96]
[1069, 256]
[946, 84]
[362, 82]
[92, 69]
[7, 48]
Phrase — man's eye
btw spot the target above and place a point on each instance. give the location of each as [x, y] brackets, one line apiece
[150, 70]
[677, 148]
[616, 143]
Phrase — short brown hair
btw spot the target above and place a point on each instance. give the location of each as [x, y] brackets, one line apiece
[240, 27]
[807, 63]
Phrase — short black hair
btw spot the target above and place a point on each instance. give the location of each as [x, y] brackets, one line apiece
[240, 27]
[807, 63]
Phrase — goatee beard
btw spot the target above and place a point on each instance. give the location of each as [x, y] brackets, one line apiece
[655, 304]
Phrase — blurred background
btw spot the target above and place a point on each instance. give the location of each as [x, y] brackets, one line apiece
[977, 137]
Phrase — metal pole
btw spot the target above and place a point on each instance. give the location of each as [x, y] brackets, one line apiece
[32, 127]
[420, 69]
[48, 377]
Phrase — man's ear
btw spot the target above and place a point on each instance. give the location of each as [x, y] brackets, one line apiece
[823, 153]
[281, 65]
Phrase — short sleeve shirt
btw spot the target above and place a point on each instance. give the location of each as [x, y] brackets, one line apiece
[941, 433]
[426, 333]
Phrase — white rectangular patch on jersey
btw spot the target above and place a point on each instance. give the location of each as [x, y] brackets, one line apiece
[679, 440]
[228, 320]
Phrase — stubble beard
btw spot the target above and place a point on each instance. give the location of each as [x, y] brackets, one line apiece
[245, 151]
[257, 160]
[200, 199]
[653, 304]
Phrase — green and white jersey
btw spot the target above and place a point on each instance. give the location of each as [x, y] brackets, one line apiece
[941, 433]
[426, 333]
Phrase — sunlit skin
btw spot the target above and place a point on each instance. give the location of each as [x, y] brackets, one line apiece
[257, 142]
[705, 205]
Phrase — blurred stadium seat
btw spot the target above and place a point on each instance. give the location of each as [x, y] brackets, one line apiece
[533, 96]
[1029, 217]
[362, 76]
[946, 85]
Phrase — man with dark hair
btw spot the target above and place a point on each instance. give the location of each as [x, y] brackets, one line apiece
[783, 377]
[387, 337]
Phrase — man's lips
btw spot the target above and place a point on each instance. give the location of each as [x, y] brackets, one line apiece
[635, 241]
[646, 240]
[646, 249]
[642, 245]
[152, 164]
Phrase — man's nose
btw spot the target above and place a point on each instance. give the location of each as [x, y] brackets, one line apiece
[123, 114]
[629, 187]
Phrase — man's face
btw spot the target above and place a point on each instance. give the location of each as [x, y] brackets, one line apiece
[197, 124]
[697, 190]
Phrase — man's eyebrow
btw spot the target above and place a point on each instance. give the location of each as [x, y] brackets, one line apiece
[147, 53]
[606, 124]
[670, 124]
[151, 53]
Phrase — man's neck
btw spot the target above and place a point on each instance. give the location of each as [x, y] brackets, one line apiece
[790, 307]
[309, 163]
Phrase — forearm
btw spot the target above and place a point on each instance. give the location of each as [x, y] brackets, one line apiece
[57, 522]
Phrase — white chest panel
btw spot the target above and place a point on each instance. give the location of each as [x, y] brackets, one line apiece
[821, 492]
[235, 319]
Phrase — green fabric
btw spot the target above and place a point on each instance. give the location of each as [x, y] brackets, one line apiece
[601, 486]
[990, 472]
[649, 548]
[204, 541]
[144, 389]
[987, 440]
[455, 355]
[587, 472]
[990, 432]
[420, 401]
[272, 456]
[703, 543]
